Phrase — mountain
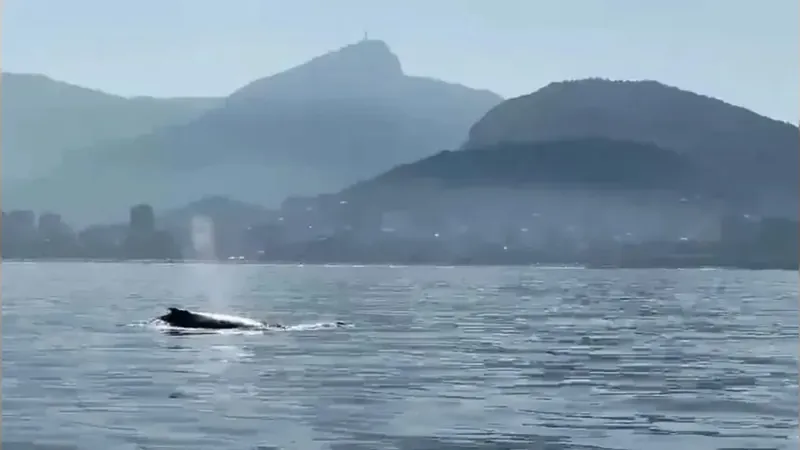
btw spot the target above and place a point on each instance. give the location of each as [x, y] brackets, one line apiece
[43, 119]
[218, 209]
[225, 219]
[751, 158]
[583, 164]
[590, 187]
[320, 126]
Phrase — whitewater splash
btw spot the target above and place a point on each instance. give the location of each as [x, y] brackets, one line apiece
[169, 329]
[181, 321]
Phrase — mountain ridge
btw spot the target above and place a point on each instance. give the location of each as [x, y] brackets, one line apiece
[744, 152]
[334, 123]
[43, 80]
[45, 119]
[582, 163]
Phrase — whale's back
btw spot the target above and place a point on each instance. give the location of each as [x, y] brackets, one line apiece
[228, 319]
[192, 319]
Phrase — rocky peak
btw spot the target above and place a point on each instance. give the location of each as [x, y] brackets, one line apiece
[363, 67]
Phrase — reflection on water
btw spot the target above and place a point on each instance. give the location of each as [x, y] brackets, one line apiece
[438, 358]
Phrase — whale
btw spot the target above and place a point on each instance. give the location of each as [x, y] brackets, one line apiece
[183, 318]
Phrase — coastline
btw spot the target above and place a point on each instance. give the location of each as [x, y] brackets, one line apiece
[333, 263]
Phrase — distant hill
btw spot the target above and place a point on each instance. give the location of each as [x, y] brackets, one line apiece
[595, 187]
[750, 157]
[229, 220]
[321, 126]
[218, 209]
[584, 163]
[43, 119]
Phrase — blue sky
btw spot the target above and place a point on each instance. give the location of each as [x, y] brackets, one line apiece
[746, 52]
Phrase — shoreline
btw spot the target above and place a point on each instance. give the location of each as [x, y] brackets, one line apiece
[402, 264]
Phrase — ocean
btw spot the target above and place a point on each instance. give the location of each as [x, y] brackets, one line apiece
[434, 358]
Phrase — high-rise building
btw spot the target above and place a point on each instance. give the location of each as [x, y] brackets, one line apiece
[142, 219]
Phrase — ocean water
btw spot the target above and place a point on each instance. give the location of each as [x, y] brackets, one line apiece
[436, 358]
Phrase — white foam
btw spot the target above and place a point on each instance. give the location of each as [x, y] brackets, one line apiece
[234, 319]
[314, 326]
[165, 327]
[253, 326]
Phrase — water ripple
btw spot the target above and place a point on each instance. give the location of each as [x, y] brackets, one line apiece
[440, 358]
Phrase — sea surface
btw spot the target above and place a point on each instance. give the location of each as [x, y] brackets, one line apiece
[436, 358]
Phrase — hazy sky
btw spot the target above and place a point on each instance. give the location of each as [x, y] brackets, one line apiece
[746, 52]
